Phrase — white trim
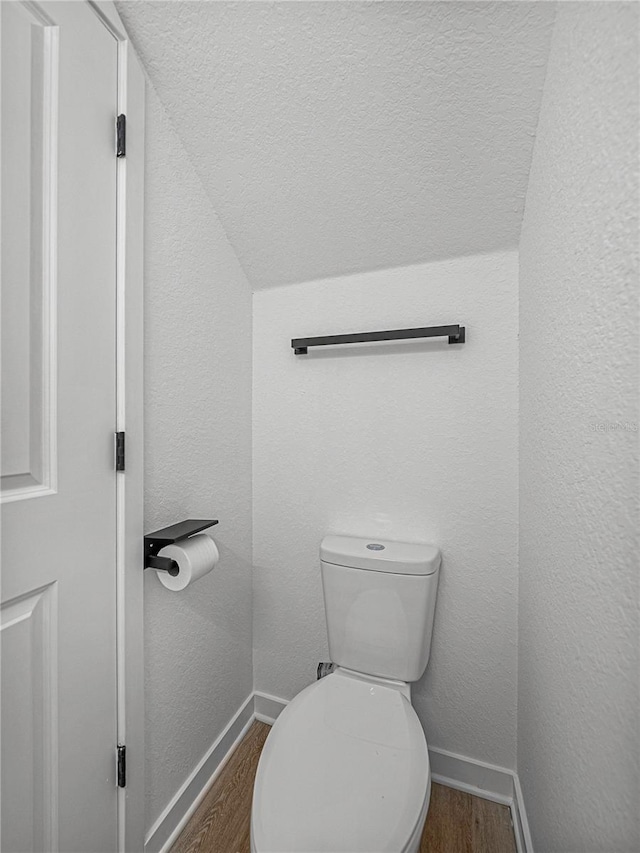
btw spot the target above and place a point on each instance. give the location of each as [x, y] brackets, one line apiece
[50, 267]
[268, 707]
[121, 425]
[487, 781]
[131, 596]
[174, 818]
[23, 493]
[129, 417]
[108, 14]
[524, 842]
[474, 777]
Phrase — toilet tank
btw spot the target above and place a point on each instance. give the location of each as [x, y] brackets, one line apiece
[380, 600]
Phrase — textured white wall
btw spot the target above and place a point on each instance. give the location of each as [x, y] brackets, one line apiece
[198, 463]
[578, 704]
[340, 137]
[412, 441]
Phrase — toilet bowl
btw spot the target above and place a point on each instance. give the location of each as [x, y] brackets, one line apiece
[345, 769]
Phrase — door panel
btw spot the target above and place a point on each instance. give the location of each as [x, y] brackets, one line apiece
[29, 138]
[58, 592]
[29, 729]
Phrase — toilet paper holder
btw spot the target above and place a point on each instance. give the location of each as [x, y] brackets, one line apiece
[154, 542]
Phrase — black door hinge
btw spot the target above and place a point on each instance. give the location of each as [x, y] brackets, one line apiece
[120, 451]
[121, 135]
[122, 765]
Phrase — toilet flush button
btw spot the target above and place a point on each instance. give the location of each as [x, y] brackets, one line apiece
[375, 546]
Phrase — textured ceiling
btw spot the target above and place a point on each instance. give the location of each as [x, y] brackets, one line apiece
[335, 137]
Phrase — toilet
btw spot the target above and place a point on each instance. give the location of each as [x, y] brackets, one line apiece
[345, 768]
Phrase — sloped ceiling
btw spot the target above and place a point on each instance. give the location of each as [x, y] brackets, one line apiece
[336, 137]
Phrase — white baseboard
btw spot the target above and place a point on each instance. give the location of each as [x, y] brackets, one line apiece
[487, 781]
[474, 777]
[173, 819]
[447, 768]
[268, 708]
[524, 842]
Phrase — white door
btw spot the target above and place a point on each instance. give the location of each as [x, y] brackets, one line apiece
[58, 581]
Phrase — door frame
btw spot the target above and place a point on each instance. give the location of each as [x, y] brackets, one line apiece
[129, 418]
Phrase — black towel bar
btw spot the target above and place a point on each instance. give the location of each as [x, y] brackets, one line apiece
[456, 335]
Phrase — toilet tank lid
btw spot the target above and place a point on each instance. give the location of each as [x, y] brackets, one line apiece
[380, 555]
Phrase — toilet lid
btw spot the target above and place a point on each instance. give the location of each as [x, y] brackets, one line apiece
[345, 768]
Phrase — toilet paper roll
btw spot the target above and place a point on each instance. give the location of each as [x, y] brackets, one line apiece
[195, 556]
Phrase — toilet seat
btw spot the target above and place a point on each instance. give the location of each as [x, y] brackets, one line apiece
[345, 769]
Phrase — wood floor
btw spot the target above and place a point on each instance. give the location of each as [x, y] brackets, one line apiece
[457, 822]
